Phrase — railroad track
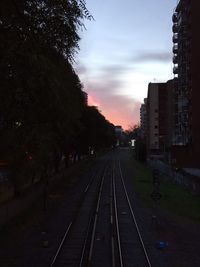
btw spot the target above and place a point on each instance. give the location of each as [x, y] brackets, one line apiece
[104, 231]
[73, 247]
[123, 237]
[131, 250]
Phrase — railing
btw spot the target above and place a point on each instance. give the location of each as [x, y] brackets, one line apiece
[179, 177]
[175, 70]
[175, 38]
[174, 17]
[175, 28]
[175, 59]
[175, 48]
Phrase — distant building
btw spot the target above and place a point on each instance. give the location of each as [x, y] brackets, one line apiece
[171, 108]
[119, 134]
[143, 119]
[160, 118]
[152, 123]
[118, 131]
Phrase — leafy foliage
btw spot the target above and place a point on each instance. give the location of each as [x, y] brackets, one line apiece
[42, 107]
[97, 133]
[38, 84]
[51, 22]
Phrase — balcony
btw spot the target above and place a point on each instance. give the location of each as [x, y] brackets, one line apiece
[174, 17]
[175, 70]
[175, 59]
[175, 28]
[175, 38]
[175, 48]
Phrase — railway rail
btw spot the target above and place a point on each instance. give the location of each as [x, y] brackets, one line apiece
[104, 231]
[134, 220]
[127, 247]
[72, 247]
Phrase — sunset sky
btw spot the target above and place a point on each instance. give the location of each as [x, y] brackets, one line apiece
[127, 46]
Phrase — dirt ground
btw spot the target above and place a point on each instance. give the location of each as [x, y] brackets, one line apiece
[182, 238]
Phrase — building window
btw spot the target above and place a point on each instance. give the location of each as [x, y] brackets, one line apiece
[156, 126]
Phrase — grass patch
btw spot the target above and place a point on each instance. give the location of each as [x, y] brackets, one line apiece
[143, 182]
[180, 200]
[174, 198]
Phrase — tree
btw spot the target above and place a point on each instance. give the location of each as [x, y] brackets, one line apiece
[133, 131]
[53, 23]
[97, 132]
[40, 97]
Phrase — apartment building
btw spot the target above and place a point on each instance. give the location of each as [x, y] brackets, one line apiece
[186, 47]
[156, 128]
[182, 70]
[143, 119]
[160, 118]
[171, 112]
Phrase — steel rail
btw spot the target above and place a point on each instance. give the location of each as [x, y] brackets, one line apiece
[111, 223]
[117, 220]
[134, 218]
[61, 244]
[71, 224]
[94, 225]
[95, 219]
[85, 243]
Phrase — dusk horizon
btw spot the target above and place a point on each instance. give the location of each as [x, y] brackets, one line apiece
[99, 133]
[122, 50]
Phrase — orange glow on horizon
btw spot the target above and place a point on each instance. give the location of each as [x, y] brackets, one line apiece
[116, 113]
[119, 120]
[92, 101]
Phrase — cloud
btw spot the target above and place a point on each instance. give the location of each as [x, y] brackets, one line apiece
[81, 69]
[104, 86]
[116, 69]
[105, 91]
[152, 56]
[121, 110]
[108, 77]
[118, 109]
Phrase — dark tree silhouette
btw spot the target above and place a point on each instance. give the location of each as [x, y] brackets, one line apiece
[40, 94]
[52, 23]
[97, 132]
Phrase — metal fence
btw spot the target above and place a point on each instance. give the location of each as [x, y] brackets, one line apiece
[179, 177]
